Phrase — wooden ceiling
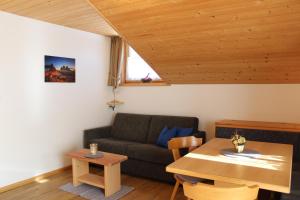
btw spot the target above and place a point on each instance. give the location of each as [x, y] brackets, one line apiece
[220, 41]
[78, 14]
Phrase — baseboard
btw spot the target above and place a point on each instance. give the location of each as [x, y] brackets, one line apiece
[30, 180]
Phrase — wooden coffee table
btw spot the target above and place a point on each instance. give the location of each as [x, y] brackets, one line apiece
[110, 182]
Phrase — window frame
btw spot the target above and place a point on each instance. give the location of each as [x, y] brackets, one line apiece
[125, 82]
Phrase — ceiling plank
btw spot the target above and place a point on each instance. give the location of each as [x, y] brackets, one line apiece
[220, 41]
[78, 14]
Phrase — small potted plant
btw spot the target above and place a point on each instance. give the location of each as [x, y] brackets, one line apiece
[238, 142]
[147, 79]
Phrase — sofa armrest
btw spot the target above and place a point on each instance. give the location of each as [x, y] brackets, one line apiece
[101, 132]
[200, 134]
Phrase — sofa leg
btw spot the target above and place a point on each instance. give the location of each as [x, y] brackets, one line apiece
[175, 190]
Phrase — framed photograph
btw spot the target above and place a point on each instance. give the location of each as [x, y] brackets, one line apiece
[59, 69]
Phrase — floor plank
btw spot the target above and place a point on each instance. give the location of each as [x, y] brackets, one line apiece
[49, 190]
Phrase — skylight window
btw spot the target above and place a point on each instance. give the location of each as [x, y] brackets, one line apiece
[137, 69]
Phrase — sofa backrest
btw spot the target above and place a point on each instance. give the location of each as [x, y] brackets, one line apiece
[146, 128]
[158, 122]
[131, 127]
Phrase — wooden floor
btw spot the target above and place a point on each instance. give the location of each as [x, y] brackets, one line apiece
[49, 190]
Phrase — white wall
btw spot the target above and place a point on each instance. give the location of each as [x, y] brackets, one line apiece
[40, 122]
[279, 103]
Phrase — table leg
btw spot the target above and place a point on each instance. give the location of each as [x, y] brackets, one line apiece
[112, 179]
[79, 168]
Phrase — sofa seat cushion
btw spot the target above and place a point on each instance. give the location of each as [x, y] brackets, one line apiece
[112, 145]
[150, 153]
[131, 127]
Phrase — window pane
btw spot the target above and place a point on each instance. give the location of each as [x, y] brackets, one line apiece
[137, 68]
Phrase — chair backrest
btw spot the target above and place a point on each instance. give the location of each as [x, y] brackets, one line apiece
[201, 191]
[189, 142]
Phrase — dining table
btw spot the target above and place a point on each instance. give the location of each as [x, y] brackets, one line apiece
[267, 165]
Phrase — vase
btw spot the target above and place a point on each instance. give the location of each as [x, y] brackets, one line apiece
[239, 148]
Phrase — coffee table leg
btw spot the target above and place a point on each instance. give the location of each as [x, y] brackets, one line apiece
[79, 168]
[112, 179]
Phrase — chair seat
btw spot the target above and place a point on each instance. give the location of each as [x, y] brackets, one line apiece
[189, 179]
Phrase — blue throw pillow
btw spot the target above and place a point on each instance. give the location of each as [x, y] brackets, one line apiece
[165, 135]
[183, 132]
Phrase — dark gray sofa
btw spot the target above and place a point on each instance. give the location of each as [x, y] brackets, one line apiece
[135, 135]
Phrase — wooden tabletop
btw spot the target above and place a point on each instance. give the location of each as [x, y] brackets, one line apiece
[269, 169]
[107, 159]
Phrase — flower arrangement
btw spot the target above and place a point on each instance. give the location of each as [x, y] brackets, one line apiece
[238, 141]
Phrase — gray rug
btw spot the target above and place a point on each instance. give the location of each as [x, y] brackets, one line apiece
[94, 193]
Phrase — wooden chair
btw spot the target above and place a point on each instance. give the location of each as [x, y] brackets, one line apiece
[175, 144]
[202, 191]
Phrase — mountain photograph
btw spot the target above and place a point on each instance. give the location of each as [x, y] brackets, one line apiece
[59, 69]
